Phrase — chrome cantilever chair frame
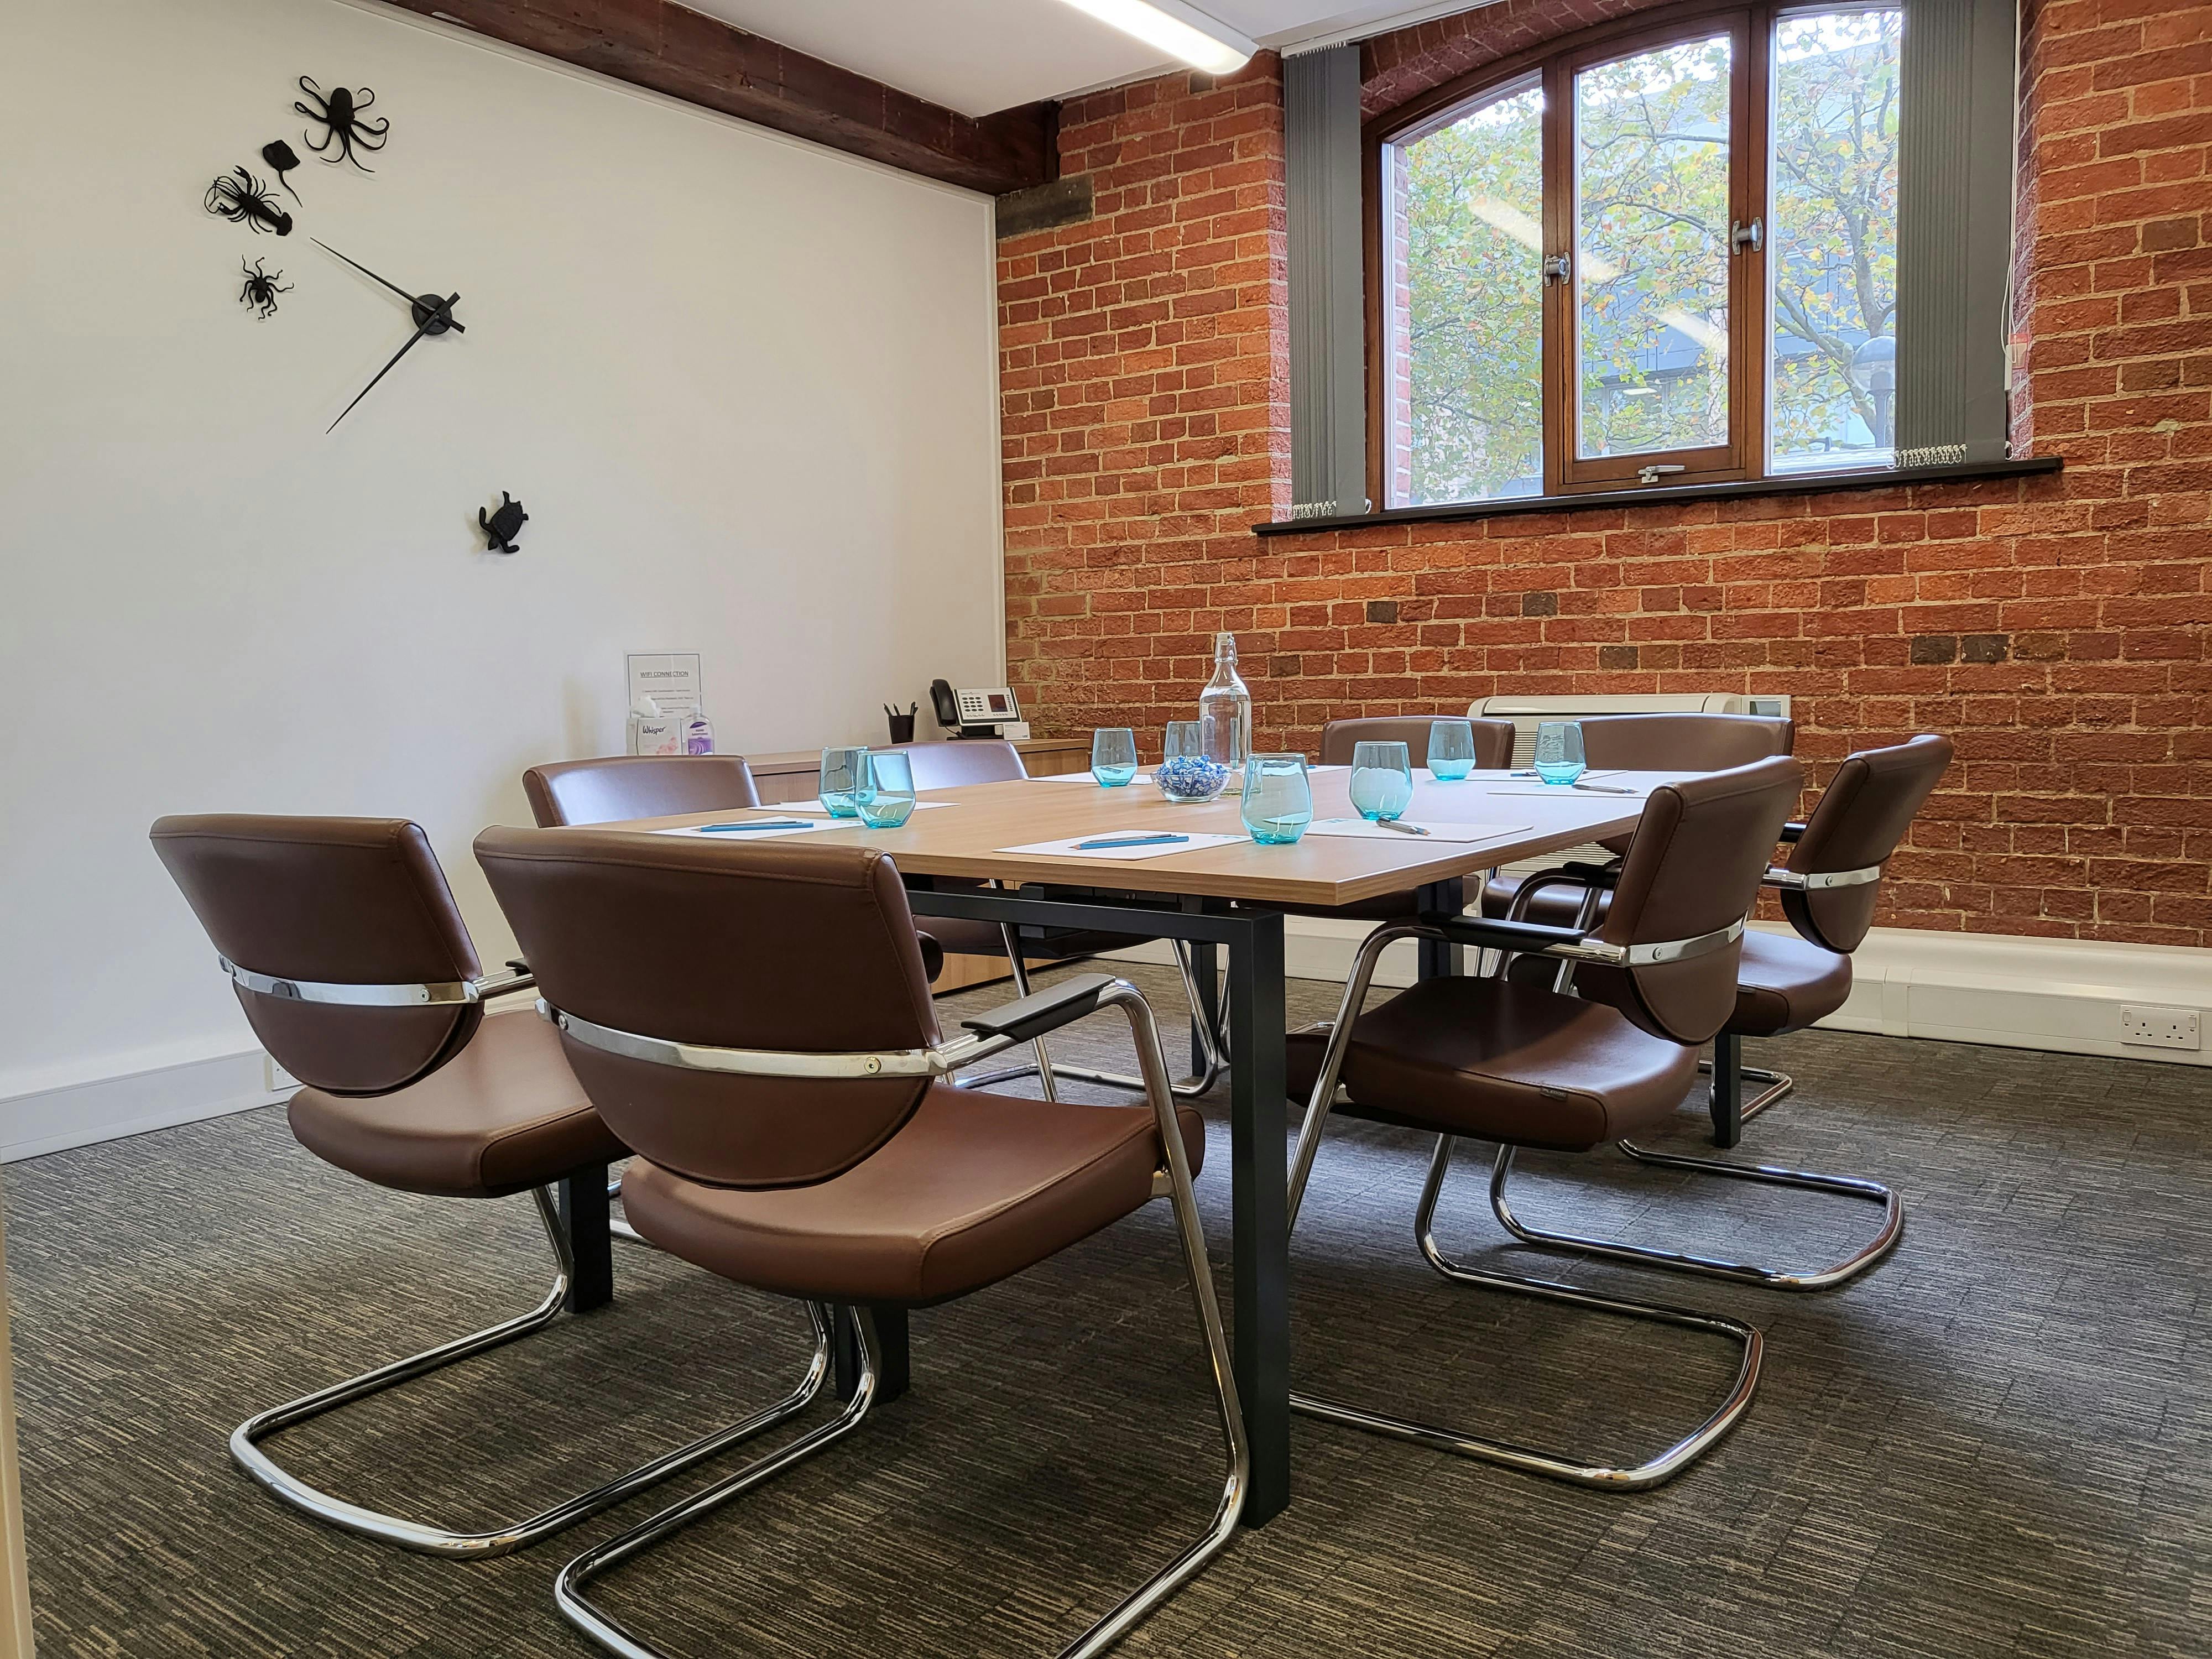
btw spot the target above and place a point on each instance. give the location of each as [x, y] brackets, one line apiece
[1774, 1279]
[1173, 1183]
[502, 1540]
[1652, 1471]
[1205, 1023]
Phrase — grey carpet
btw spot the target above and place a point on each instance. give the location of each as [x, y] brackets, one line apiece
[1999, 1443]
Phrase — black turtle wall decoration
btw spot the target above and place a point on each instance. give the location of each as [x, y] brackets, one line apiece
[499, 528]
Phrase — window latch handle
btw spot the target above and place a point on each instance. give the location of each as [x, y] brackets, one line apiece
[1748, 238]
[1559, 268]
[1652, 474]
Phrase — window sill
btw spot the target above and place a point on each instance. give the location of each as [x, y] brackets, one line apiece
[1811, 483]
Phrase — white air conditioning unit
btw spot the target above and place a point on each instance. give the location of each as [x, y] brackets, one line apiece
[1528, 713]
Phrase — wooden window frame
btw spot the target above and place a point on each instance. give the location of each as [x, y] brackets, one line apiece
[1744, 457]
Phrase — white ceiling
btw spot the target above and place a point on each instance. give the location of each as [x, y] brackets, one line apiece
[978, 56]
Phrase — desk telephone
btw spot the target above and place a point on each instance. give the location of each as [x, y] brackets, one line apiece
[986, 713]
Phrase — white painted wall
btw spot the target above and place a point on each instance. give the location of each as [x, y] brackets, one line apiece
[745, 387]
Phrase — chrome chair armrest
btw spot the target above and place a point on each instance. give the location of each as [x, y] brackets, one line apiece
[518, 978]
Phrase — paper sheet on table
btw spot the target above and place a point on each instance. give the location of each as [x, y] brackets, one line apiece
[1072, 848]
[1090, 778]
[710, 832]
[815, 809]
[1568, 792]
[1361, 830]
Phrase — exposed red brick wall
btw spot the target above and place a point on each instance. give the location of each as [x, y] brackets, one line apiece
[2055, 627]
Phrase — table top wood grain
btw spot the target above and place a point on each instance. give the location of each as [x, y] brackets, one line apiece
[964, 838]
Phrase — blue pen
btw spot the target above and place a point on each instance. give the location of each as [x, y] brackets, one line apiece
[1128, 841]
[758, 823]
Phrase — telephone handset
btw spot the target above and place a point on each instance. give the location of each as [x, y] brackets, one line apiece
[978, 713]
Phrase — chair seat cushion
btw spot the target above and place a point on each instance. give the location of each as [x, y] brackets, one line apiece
[1785, 983]
[976, 1186]
[1502, 1061]
[503, 1115]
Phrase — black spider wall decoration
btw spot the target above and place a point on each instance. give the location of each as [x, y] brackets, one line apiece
[261, 288]
[283, 157]
[240, 197]
[340, 112]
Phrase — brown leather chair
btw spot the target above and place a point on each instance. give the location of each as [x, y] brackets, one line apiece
[1493, 740]
[357, 974]
[1647, 743]
[756, 1022]
[954, 763]
[1524, 1064]
[614, 788]
[1829, 884]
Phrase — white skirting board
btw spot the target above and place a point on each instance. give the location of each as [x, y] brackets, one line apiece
[2060, 995]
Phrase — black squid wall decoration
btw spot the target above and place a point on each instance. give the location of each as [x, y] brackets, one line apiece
[261, 288]
[340, 112]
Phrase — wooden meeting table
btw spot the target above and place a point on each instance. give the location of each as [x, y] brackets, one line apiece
[1219, 896]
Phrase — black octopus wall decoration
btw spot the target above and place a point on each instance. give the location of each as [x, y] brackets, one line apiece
[341, 112]
[499, 529]
[240, 197]
[283, 157]
[261, 288]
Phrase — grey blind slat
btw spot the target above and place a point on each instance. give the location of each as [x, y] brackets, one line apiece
[1329, 402]
[1954, 230]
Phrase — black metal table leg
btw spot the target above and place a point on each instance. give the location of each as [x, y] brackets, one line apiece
[1258, 1170]
[1727, 1105]
[890, 1339]
[1438, 960]
[584, 1216]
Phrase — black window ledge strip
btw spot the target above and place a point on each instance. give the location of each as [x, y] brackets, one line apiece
[1822, 484]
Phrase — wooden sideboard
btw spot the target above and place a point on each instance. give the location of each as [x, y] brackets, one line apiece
[794, 774]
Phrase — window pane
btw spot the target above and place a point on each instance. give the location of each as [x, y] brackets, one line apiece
[1466, 306]
[1651, 250]
[1833, 238]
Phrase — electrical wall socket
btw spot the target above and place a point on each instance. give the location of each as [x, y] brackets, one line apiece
[2159, 1028]
[278, 1080]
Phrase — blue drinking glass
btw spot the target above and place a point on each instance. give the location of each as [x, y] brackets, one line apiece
[1382, 780]
[840, 776]
[1451, 750]
[1112, 756]
[1278, 801]
[884, 798]
[1558, 755]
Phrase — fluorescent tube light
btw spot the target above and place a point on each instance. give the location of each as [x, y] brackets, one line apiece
[1177, 29]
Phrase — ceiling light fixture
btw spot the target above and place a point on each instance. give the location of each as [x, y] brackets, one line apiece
[1180, 31]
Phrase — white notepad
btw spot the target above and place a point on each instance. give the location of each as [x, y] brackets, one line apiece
[1070, 848]
[1361, 830]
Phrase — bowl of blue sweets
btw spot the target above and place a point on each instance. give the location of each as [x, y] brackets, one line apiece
[1188, 774]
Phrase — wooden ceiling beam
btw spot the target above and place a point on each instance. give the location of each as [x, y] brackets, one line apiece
[701, 60]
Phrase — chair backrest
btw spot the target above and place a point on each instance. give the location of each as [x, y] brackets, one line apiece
[614, 788]
[1863, 816]
[792, 947]
[956, 760]
[352, 902]
[1688, 743]
[1692, 869]
[1493, 740]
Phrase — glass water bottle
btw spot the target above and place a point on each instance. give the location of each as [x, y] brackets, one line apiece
[1224, 710]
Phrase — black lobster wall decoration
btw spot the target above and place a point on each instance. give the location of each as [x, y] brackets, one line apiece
[340, 112]
[243, 199]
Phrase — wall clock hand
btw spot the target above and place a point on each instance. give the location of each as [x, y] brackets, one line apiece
[441, 312]
[420, 302]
